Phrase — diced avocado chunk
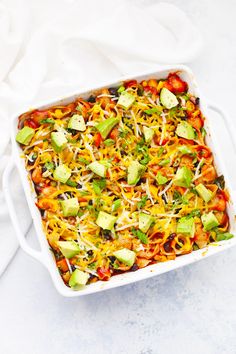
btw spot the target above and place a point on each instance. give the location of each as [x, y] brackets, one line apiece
[185, 130]
[125, 256]
[58, 140]
[126, 100]
[77, 123]
[145, 221]
[148, 134]
[183, 177]
[135, 171]
[78, 279]
[62, 173]
[106, 221]
[70, 207]
[185, 150]
[204, 193]
[209, 221]
[98, 168]
[224, 236]
[106, 126]
[168, 99]
[161, 179]
[25, 135]
[68, 248]
[186, 225]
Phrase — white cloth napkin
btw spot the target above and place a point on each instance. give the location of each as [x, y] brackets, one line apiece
[50, 48]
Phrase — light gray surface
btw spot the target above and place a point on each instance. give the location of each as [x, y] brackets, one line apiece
[190, 310]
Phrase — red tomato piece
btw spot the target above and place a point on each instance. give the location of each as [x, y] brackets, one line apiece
[177, 84]
[31, 123]
[114, 134]
[151, 89]
[131, 83]
[104, 273]
[219, 202]
[97, 139]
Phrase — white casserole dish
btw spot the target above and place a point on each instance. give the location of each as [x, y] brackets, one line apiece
[46, 257]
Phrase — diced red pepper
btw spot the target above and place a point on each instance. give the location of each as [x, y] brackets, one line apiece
[104, 273]
[151, 89]
[219, 202]
[168, 86]
[97, 139]
[196, 122]
[114, 134]
[62, 265]
[31, 123]
[131, 83]
[203, 151]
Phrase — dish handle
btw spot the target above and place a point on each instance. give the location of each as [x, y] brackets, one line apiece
[227, 123]
[226, 120]
[13, 214]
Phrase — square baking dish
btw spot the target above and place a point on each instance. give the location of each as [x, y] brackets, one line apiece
[46, 257]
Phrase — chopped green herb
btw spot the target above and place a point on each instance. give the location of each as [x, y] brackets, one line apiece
[78, 108]
[141, 204]
[220, 182]
[49, 165]
[145, 159]
[160, 151]
[99, 185]
[164, 162]
[203, 131]
[195, 212]
[121, 89]
[123, 132]
[177, 195]
[151, 111]
[142, 236]
[83, 160]
[116, 204]
[47, 120]
[224, 236]
[71, 183]
[92, 265]
[109, 142]
[84, 193]
[195, 247]
[161, 179]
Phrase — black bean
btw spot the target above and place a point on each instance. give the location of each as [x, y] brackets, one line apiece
[112, 258]
[72, 267]
[79, 186]
[167, 246]
[140, 90]
[32, 159]
[90, 202]
[90, 253]
[113, 91]
[172, 236]
[91, 276]
[134, 267]
[42, 212]
[197, 101]
[37, 188]
[44, 169]
[142, 180]
[107, 235]
[72, 131]
[91, 99]
[60, 196]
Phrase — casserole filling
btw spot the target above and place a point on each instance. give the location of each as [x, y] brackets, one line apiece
[124, 179]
